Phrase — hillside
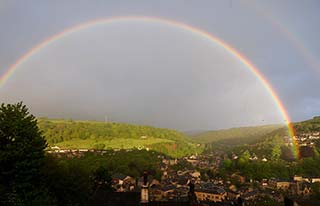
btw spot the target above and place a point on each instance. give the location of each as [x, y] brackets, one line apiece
[71, 134]
[241, 135]
[273, 142]
[311, 125]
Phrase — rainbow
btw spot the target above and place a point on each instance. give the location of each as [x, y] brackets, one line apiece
[9, 72]
[290, 36]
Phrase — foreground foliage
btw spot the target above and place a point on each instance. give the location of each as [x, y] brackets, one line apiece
[21, 155]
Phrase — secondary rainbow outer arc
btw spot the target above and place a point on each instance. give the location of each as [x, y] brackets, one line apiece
[293, 39]
[180, 25]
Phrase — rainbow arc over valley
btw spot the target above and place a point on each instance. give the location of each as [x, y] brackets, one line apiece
[201, 33]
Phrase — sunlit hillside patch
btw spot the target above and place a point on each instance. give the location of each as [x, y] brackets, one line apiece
[116, 143]
[94, 135]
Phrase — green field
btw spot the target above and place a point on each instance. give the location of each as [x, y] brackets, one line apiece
[69, 134]
[119, 143]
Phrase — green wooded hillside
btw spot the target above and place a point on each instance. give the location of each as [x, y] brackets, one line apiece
[311, 125]
[71, 134]
[241, 135]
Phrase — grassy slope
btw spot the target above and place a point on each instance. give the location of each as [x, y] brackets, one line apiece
[91, 134]
[112, 143]
[237, 135]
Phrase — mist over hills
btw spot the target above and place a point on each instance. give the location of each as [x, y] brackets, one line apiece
[239, 134]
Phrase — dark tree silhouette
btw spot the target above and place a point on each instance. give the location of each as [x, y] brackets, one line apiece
[101, 179]
[21, 155]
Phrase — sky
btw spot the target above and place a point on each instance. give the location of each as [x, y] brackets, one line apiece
[157, 74]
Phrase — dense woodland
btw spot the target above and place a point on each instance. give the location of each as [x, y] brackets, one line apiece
[132, 163]
[312, 125]
[57, 131]
[74, 181]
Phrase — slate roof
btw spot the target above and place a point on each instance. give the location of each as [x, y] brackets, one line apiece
[168, 187]
[119, 176]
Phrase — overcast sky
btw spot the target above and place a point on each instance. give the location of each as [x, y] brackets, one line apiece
[156, 74]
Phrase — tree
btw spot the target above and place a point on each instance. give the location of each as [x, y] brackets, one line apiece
[99, 146]
[316, 189]
[227, 163]
[101, 179]
[276, 152]
[21, 155]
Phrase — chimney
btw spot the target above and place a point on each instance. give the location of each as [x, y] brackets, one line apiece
[145, 190]
[191, 195]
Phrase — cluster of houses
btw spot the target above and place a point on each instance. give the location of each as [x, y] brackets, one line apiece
[300, 186]
[307, 139]
[71, 153]
[303, 140]
[175, 188]
[175, 185]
